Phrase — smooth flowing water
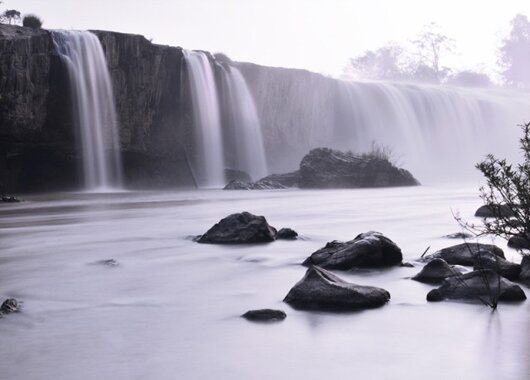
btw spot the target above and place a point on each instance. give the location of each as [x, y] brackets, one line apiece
[207, 120]
[244, 125]
[170, 309]
[94, 110]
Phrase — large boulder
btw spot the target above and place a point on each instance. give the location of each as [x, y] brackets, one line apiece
[436, 271]
[505, 268]
[466, 253]
[286, 179]
[494, 211]
[237, 175]
[480, 284]
[320, 289]
[367, 250]
[240, 228]
[327, 168]
[287, 234]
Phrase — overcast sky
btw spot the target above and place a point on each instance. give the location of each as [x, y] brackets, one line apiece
[318, 35]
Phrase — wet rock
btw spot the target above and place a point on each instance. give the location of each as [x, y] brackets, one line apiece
[327, 168]
[493, 211]
[287, 234]
[459, 235]
[237, 175]
[525, 269]
[320, 289]
[9, 199]
[107, 262]
[466, 253]
[479, 284]
[10, 305]
[519, 242]
[406, 265]
[499, 265]
[287, 179]
[259, 185]
[367, 250]
[240, 228]
[436, 271]
[265, 315]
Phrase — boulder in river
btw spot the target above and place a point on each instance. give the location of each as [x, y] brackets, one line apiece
[459, 235]
[327, 168]
[367, 250]
[479, 284]
[287, 234]
[505, 268]
[525, 270]
[240, 228]
[466, 253]
[10, 305]
[259, 185]
[519, 242]
[436, 271]
[320, 289]
[237, 175]
[9, 199]
[494, 211]
[287, 179]
[265, 315]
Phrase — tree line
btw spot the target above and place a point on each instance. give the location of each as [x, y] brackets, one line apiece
[422, 62]
[13, 17]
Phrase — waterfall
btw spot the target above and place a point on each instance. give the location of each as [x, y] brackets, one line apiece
[207, 120]
[244, 125]
[94, 111]
[438, 132]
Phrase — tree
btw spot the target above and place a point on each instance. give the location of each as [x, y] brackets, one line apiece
[514, 53]
[12, 16]
[507, 195]
[32, 21]
[469, 78]
[385, 63]
[430, 45]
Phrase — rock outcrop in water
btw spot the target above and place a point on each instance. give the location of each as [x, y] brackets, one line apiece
[327, 168]
[244, 228]
[9, 306]
[367, 250]
[503, 267]
[467, 253]
[493, 211]
[519, 242]
[320, 289]
[476, 285]
[436, 271]
[265, 315]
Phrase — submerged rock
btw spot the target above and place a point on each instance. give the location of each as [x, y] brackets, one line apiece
[367, 250]
[320, 289]
[287, 234]
[10, 305]
[265, 315]
[240, 228]
[459, 235]
[479, 284]
[327, 168]
[493, 211]
[466, 253]
[499, 265]
[436, 271]
[107, 262]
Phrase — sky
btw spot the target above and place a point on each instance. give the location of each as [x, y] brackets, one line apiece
[318, 35]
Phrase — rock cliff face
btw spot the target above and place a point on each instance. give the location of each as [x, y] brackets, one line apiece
[37, 136]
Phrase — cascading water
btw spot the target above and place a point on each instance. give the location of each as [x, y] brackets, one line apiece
[94, 112]
[207, 120]
[441, 132]
[245, 125]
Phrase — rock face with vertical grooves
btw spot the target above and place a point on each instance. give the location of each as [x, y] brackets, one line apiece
[320, 289]
[368, 250]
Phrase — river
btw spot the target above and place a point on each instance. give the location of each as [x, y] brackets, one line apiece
[170, 308]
